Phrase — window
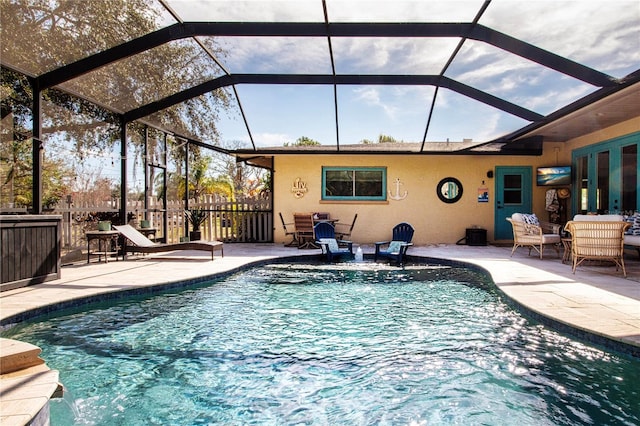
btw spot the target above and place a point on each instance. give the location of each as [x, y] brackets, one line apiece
[513, 189]
[354, 183]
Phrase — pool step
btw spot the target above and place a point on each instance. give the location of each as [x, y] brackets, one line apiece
[15, 356]
[26, 384]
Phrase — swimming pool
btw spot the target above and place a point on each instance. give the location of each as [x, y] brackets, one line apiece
[346, 344]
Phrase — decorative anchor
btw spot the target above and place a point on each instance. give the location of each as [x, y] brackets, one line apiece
[397, 196]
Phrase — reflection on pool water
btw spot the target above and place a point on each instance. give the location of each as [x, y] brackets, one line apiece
[329, 345]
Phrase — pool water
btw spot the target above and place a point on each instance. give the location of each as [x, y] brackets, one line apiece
[329, 345]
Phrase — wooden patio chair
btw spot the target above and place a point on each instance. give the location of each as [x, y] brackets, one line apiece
[343, 230]
[287, 232]
[304, 230]
[141, 244]
[597, 240]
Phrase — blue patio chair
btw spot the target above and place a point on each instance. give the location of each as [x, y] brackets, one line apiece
[324, 230]
[396, 249]
[326, 238]
[332, 250]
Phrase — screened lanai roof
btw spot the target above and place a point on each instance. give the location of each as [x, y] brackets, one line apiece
[439, 76]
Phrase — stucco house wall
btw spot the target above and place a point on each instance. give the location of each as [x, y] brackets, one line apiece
[435, 222]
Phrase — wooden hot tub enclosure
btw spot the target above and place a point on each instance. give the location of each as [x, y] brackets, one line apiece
[30, 249]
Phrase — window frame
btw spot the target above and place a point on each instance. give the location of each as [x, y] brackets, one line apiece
[353, 170]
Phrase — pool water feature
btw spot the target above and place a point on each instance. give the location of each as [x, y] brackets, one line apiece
[347, 344]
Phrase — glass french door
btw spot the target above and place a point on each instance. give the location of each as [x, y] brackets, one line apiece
[606, 177]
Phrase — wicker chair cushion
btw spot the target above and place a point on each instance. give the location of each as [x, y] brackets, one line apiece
[634, 221]
[530, 219]
[531, 222]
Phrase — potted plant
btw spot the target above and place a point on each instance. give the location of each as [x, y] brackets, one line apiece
[104, 225]
[196, 217]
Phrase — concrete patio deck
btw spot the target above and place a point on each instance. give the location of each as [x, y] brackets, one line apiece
[596, 304]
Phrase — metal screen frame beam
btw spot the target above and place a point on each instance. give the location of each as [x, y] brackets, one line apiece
[328, 79]
[289, 29]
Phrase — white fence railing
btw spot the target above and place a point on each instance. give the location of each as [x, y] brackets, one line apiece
[243, 220]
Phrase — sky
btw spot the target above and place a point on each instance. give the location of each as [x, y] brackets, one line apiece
[604, 35]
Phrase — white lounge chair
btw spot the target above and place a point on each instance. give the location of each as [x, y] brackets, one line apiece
[141, 244]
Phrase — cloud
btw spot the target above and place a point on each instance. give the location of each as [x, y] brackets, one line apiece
[489, 129]
[249, 10]
[402, 10]
[589, 32]
[555, 99]
[601, 35]
[370, 55]
[371, 96]
[276, 55]
[272, 139]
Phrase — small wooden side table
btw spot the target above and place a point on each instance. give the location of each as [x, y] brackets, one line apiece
[103, 237]
[566, 244]
[148, 231]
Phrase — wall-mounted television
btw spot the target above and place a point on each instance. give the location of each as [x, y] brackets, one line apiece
[553, 176]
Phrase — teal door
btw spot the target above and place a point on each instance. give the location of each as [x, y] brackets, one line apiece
[513, 195]
[607, 178]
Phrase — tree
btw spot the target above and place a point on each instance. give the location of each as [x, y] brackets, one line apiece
[59, 32]
[56, 178]
[16, 161]
[386, 139]
[16, 166]
[45, 26]
[201, 184]
[381, 139]
[241, 179]
[303, 141]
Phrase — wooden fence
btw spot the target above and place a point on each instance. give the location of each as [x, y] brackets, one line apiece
[243, 220]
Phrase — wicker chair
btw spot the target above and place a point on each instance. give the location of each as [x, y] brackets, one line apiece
[534, 236]
[597, 240]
